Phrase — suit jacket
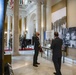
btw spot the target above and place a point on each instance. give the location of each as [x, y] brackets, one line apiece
[57, 46]
[33, 39]
[36, 43]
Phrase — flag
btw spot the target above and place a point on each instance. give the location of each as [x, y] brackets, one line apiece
[12, 4]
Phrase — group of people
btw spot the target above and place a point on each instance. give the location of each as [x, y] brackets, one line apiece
[56, 47]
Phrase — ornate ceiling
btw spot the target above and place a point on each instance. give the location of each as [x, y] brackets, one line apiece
[23, 8]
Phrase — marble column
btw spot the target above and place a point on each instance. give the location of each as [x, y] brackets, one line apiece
[44, 16]
[38, 21]
[8, 30]
[48, 15]
[23, 26]
[43, 22]
[15, 39]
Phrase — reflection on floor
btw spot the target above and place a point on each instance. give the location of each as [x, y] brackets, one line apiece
[22, 65]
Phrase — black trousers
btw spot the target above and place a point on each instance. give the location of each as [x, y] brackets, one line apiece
[57, 65]
[35, 57]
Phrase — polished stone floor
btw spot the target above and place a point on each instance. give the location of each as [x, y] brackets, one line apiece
[22, 65]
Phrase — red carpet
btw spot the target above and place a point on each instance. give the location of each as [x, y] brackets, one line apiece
[7, 50]
[24, 49]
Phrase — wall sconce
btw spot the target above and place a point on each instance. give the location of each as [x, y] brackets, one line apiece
[5, 32]
[26, 31]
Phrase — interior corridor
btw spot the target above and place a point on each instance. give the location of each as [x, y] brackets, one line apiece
[22, 65]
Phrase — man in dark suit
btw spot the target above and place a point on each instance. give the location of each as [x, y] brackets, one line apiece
[33, 39]
[56, 46]
[36, 48]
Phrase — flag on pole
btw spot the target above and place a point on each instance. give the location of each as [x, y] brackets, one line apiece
[12, 4]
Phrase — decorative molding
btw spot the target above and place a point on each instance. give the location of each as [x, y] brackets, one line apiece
[31, 10]
[29, 6]
[24, 10]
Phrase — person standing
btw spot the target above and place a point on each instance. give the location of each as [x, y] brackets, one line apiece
[10, 42]
[37, 49]
[56, 46]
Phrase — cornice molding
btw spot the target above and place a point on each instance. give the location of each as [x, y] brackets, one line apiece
[24, 10]
[31, 10]
[30, 6]
[9, 11]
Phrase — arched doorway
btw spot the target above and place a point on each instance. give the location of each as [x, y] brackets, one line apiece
[32, 27]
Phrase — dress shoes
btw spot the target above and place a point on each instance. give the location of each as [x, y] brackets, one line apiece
[35, 65]
[54, 73]
[38, 63]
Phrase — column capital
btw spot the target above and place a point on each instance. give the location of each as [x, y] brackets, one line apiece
[9, 13]
[44, 5]
[38, 3]
[22, 16]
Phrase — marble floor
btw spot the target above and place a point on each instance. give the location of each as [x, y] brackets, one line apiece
[22, 65]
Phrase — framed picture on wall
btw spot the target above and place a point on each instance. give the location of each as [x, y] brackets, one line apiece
[59, 20]
[70, 37]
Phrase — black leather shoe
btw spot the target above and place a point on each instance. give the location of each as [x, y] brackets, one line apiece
[38, 63]
[54, 73]
[35, 65]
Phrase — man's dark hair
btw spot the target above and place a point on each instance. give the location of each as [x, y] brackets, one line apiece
[56, 34]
